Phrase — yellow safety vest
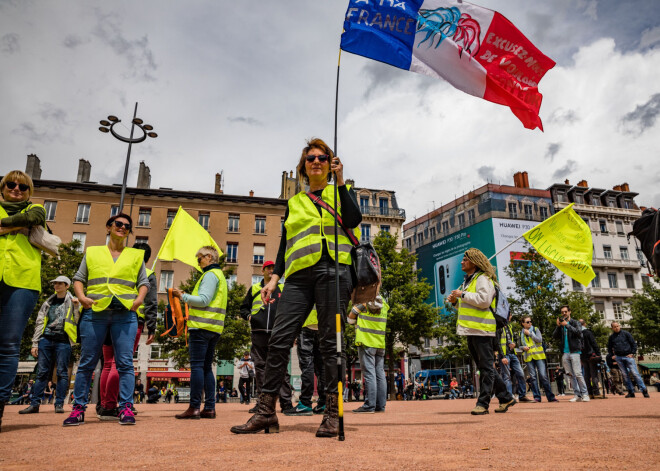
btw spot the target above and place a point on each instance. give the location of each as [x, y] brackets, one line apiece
[503, 339]
[312, 321]
[70, 326]
[306, 230]
[370, 328]
[473, 317]
[107, 279]
[211, 317]
[256, 298]
[535, 351]
[20, 261]
[140, 311]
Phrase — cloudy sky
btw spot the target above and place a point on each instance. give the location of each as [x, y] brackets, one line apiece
[237, 86]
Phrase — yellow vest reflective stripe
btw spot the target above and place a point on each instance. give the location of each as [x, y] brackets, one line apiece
[371, 327]
[70, 326]
[306, 230]
[140, 311]
[107, 279]
[312, 321]
[473, 317]
[20, 261]
[535, 351]
[211, 317]
[256, 297]
[503, 338]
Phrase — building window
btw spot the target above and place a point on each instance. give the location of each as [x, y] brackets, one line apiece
[641, 257]
[50, 207]
[144, 217]
[543, 212]
[577, 286]
[258, 253]
[364, 204]
[630, 281]
[611, 202]
[80, 236]
[431, 231]
[203, 220]
[529, 214]
[611, 277]
[624, 253]
[595, 200]
[646, 280]
[260, 224]
[595, 283]
[366, 232]
[603, 226]
[619, 228]
[234, 220]
[231, 281]
[618, 310]
[384, 205]
[257, 279]
[445, 227]
[628, 204]
[171, 214]
[471, 216]
[156, 353]
[386, 228]
[461, 221]
[166, 280]
[607, 251]
[427, 342]
[82, 215]
[114, 210]
[579, 199]
[513, 210]
[599, 306]
[408, 243]
[141, 239]
[232, 252]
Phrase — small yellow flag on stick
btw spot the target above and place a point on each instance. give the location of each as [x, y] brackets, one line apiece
[564, 240]
[184, 238]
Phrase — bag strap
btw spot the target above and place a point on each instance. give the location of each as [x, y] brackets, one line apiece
[317, 200]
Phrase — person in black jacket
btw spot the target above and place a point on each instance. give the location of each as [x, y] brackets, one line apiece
[262, 319]
[622, 346]
[590, 358]
[569, 334]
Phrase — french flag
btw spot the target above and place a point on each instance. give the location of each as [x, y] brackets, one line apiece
[475, 49]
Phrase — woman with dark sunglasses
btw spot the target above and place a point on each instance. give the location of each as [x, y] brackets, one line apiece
[117, 283]
[20, 272]
[306, 257]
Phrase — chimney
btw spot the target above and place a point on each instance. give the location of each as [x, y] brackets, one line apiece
[583, 184]
[518, 180]
[84, 171]
[218, 184]
[251, 193]
[525, 180]
[144, 176]
[33, 167]
[616, 187]
[566, 182]
[625, 187]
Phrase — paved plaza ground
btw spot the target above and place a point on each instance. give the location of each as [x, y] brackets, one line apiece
[615, 433]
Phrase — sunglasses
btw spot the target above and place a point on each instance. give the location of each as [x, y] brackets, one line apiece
[322, 158]
[21, 186]
[199, 259]
[119, 225]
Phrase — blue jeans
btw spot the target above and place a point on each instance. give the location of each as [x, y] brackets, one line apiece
[372, 363]
[573, 367]
[52, 353]
[514, 365]
[201, 345]
[16, 306]
[539, 366]
[94, 327]
[628, 366]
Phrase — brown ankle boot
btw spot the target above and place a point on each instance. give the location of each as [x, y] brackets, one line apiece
[330, 425]
[265, 418]
[190, 413]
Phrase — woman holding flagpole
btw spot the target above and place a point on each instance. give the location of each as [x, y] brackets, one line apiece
[306, 258]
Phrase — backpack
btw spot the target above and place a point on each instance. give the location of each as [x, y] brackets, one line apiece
[501, 311]
[646, 229]
[175, 319]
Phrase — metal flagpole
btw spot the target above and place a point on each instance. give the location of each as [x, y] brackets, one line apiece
[507, 246]
[340, 380]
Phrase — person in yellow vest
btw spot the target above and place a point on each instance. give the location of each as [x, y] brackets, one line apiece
[55, 332]
[262, 319]
[207, 306]
[117, 283]
[476, 300]
[20, 272]
[370, 331]
[106, 409]
[511, 369]
[531, 343]
[306, 258]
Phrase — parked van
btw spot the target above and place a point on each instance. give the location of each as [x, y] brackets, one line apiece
[429, 379]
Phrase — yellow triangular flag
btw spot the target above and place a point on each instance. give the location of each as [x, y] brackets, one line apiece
[564, 240]
[184, 238]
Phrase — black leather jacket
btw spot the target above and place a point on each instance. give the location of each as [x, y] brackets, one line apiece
[574, 330]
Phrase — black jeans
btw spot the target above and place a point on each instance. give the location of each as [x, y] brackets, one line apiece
[490, 381]
[244, 387]
[590, 375]
[259, 354]
[311, 363]
[201, 346]
[304, 289]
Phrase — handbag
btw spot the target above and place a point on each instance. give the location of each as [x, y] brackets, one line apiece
[365, 262]
[42, 239]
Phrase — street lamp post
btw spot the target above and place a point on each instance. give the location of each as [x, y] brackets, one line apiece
[147, 131]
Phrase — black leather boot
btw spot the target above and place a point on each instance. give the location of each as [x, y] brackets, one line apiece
[264, 419]
[30, 410]
[330, 425]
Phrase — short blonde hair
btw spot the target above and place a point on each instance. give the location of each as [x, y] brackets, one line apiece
[209, 250]
[20, 177]
[313, 143]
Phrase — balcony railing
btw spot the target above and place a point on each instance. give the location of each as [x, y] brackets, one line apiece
[387, 212]
[615, 262]
[619, 292]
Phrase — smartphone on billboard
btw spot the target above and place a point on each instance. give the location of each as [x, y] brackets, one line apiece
[447, 278]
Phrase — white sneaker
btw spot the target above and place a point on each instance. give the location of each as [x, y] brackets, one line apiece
[515, 396]
[576, 399]
[585, 399]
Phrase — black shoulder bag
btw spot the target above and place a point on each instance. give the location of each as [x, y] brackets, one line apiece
[366, 264]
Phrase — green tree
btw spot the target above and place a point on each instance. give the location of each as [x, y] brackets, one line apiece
[644, 309]
[453, 346]
[410, 318]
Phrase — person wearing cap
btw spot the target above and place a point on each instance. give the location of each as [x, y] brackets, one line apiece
[262, 319]
[475, 300]
[55, 332]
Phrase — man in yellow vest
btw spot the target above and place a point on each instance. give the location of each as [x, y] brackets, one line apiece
[531, 343]
[55, 332]
[262, 319]
[476, 321]
[370, 330]
[511, 368]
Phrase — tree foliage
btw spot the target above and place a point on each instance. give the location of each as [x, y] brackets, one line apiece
[453, 346]
[644, 309]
